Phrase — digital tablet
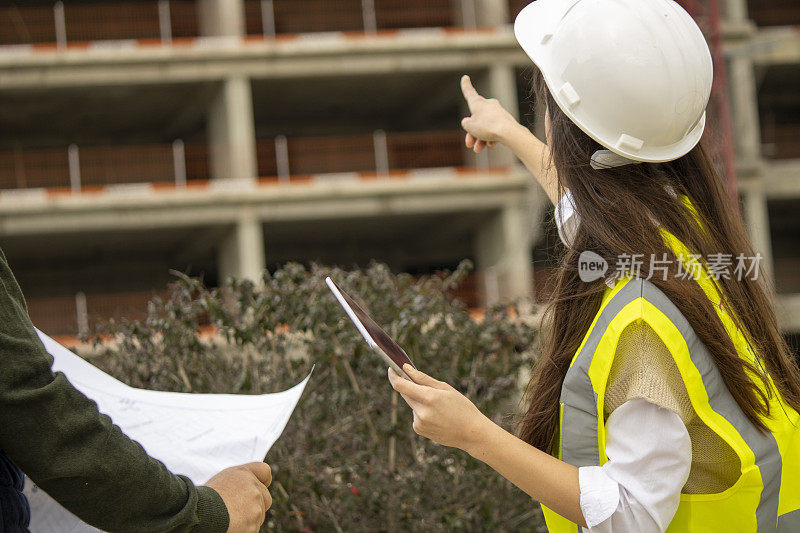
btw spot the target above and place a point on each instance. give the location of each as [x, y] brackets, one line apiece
[376, 338]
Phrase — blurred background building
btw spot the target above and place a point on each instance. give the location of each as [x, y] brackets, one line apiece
[222, 137]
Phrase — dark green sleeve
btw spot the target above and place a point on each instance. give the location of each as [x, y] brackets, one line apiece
[61, 441]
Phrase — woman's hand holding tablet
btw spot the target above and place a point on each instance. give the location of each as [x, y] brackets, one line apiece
[441, 413]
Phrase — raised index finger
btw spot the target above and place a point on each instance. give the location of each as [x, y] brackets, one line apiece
[470, 94]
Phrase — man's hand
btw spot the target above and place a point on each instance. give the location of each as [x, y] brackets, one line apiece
[244, 490]
[489, 123]
[441, 413]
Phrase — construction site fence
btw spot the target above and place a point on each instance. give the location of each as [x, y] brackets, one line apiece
[165, 20]
[75, 167]
[74, 314]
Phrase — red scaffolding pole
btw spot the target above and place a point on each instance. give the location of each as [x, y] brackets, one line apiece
[719, 130]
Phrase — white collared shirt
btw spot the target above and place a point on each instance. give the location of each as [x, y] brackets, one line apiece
[649, 457]
[567, 219]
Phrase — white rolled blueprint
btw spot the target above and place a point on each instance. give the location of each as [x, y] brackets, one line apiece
[196, 435]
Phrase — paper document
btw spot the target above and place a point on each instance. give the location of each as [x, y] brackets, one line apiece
[196, 435]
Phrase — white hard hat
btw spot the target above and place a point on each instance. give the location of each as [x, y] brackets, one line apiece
[635, 75]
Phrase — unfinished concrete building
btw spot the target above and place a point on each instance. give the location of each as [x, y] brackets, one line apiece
[222, 137]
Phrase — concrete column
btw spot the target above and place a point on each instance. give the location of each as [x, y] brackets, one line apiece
[221, 18]
[231, 132]
[756, 216]
[491, 12]
[241, 253]
[735, 10]
[744, 109]
[465, 13]
[503, 255]
[747, 139]
[501, 83]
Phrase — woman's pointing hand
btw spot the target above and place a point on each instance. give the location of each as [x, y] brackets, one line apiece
[488, 123]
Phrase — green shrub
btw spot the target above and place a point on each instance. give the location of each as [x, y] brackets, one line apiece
[349, 459]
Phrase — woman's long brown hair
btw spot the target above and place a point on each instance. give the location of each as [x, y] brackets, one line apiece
[615, 206]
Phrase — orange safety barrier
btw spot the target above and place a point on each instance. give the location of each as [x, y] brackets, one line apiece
[356, 153]
[308, 16]
[29, 169]
[425, 149]
[143, 23]
[415, 13]
[22, 24]
[184, 19]
[100, 166]
[104, 165]
[56, 315]
[59, 315]
[100, 21]
[97, 21]
[267, 181]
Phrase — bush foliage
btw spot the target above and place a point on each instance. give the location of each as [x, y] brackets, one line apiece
[349, 459]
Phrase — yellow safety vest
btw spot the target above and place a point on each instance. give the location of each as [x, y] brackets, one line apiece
[766, 497]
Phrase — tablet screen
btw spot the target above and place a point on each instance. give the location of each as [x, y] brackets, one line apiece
[377, 335]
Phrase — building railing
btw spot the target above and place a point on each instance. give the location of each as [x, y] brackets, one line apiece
[30, 169]
[162, 21]
[780, 141]
[380, 152]
[273, 17]
[774, 12]
[67, 22]
[73, 314]
[78, 167]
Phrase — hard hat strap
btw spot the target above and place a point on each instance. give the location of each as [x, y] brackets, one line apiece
[607, 159]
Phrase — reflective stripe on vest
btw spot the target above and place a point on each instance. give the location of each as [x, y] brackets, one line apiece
[789, 522]
[580, 441]
[769, 480]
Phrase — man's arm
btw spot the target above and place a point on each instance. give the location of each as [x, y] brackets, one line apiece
[78, 456]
